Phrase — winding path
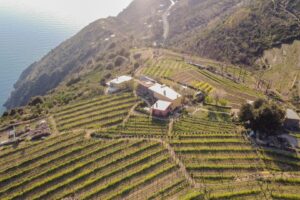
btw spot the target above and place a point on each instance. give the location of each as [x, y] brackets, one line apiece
[166, 23]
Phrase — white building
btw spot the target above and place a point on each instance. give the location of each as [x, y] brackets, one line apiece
[165, 93]
[119, 83]
[292, 120]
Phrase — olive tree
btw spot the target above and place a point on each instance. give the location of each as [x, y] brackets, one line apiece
[263, 116]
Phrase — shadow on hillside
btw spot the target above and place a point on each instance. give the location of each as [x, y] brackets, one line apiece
[282, 159]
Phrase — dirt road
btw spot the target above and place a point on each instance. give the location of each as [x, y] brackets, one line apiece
[166, 21]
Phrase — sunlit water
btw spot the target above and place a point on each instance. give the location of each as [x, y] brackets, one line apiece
[25, 38]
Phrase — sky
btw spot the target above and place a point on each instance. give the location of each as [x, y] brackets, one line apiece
[75, 12]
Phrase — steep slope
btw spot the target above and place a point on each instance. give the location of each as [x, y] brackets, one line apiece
[72, 56]
[282, 69]
[234, 31]
[143, 19]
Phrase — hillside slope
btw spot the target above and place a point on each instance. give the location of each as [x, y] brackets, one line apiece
[78, 55]
[235, 31]
[283, 65]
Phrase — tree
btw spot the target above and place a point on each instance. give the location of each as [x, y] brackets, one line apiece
[119, 61]
[246, 113]
[263, 116]
[109, 66]
[268, 119]
[5, 114]
[137, 56]
[107, 76]
[73, 81]
[36, 101]
[103, 82]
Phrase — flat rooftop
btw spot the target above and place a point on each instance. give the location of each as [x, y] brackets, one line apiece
[161, 105]
[165, 91]
[146, 84]
[120, 79]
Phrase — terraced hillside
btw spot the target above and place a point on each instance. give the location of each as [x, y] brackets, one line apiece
[235, 93]
[285, 188]
[280, 160]
[225, 163]
[136, 156]
[99, 112]
[202, 86]
[142, 126]
[231, 83]
[199, 159]
[70, 166]
[214, 152]
[194, 125]
[163, 68]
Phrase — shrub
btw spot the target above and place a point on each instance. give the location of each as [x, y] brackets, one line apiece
[36, 101]
[73, 81]
[137, 56]
[109, 66]
[108, 75]
[5, 114]
[103, 82]
[119, 61]
[12, 112]
[112, 45]
[209, 100]
[223, 102]
[124, 52]
[112, 56]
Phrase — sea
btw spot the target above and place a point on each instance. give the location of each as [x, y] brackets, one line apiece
[26, 38]
[23, 41]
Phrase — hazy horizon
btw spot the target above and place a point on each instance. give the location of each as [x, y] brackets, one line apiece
[73, 12]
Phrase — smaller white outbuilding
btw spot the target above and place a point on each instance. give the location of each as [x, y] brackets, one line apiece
[292, 120]
[119, 83]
